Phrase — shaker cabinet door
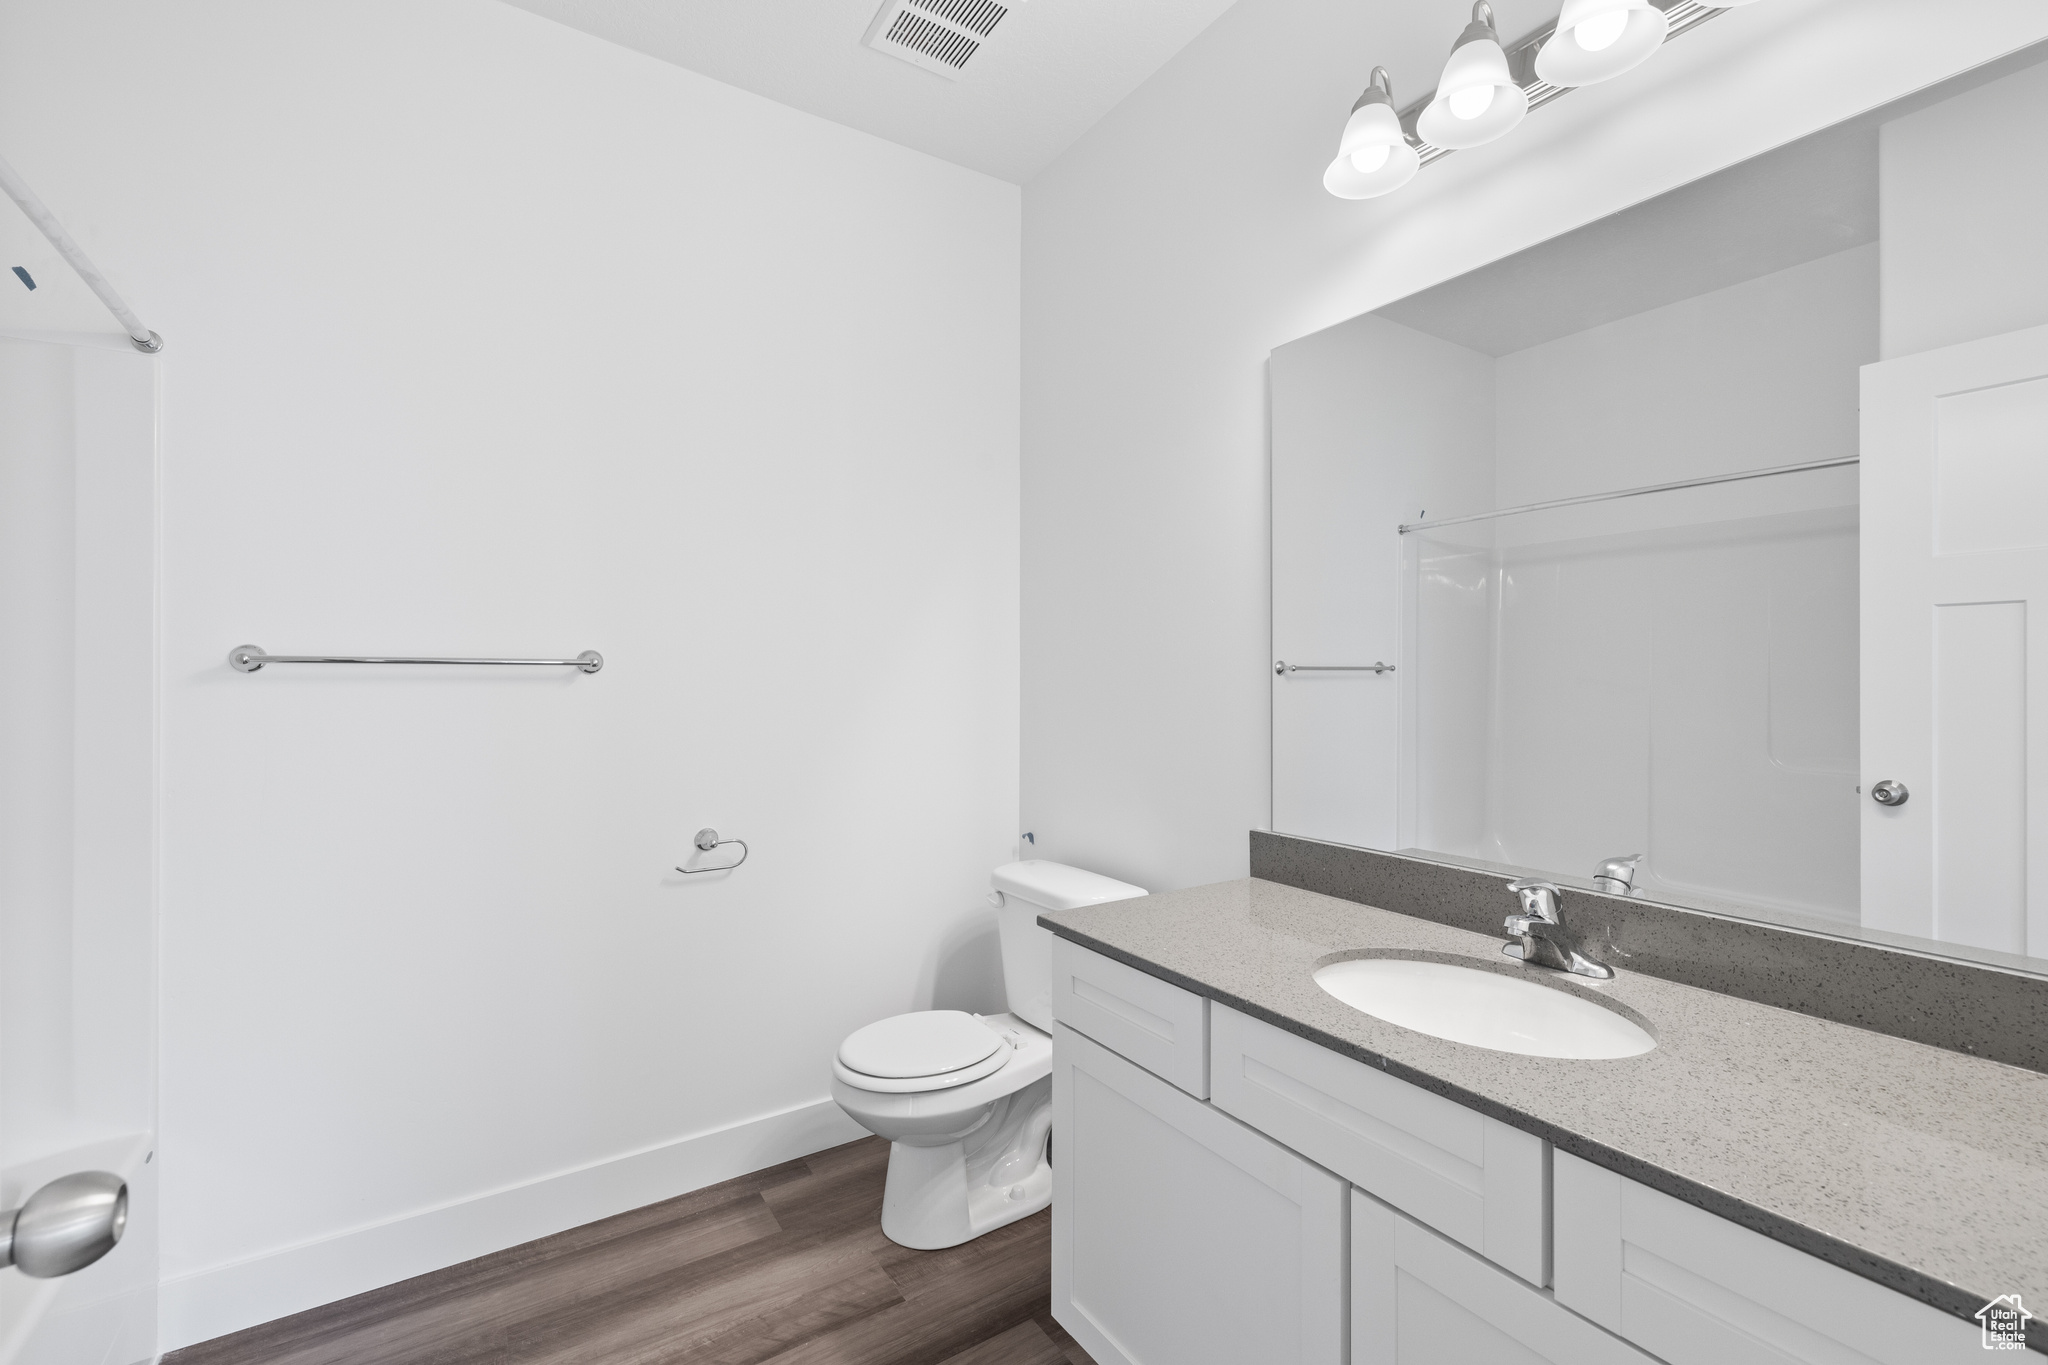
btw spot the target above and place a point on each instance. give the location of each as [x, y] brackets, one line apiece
[1181, 1237]
[1417, 1299]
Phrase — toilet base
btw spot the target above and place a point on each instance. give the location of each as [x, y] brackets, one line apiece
[944, 1195]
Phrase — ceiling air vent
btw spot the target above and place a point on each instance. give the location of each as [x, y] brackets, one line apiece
[938, 35]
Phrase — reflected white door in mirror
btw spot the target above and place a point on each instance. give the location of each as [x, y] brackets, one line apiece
[1955, 654]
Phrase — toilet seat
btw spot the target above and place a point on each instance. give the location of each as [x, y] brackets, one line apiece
[1028, 1058]
[927, 1050]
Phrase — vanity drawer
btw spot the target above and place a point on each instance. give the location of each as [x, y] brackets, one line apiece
[1472, 1178]
[1159, 1026]
[1417, 1299]
[1697, 1289]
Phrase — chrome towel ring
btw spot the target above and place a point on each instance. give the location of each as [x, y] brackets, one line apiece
[707, 839]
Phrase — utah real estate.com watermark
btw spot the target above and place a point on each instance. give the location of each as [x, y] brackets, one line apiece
[2005, 1323]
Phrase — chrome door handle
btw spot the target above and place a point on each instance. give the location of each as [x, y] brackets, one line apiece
[66, 1225]
[1889, 793]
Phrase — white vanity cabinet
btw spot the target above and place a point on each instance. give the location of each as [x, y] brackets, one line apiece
[1226, 1192]
[1419, 1299]
[1180, 1236]
[1696, 1289]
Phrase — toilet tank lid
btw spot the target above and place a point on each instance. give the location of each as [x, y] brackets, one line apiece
[1055, 886]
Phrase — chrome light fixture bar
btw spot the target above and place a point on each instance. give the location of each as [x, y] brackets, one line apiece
[1530, 90]
[1681, 16]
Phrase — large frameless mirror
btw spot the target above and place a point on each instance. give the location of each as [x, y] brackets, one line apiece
[1702, 542]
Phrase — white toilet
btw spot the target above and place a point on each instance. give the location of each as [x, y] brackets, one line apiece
[967, 1099]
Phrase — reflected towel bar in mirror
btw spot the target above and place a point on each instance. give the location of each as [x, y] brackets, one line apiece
[1283, 668]
[249, 658]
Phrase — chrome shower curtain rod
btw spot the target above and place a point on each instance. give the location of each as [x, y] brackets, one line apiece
[1408, 526]
[46, 222]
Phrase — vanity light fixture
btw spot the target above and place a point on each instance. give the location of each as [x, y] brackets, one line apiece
[1488, 88]
[1597, 40]
[1373, 156]
[1477, 100]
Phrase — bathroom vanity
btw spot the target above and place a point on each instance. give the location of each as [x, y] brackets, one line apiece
[1248, 1169]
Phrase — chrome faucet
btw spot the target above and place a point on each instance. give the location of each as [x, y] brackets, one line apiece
[1543, 941]
[1617, 876]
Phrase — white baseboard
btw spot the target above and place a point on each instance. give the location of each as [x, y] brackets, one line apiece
[227, 1298]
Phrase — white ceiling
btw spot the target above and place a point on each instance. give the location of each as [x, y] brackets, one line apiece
[1054, 68]
[1808, 199]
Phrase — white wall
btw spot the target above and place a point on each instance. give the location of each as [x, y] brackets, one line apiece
[1371, 422]
[1187, 235]
[1676, 676]
[484, 336]
[1761, 373]
[1961, 201]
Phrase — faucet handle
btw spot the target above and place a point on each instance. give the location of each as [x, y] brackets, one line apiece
[1539, 897]
[1618, 875]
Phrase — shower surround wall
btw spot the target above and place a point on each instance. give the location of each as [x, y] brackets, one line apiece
[1674, 675]
[484, 336]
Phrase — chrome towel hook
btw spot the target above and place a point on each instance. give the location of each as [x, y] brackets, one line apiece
[707, 839]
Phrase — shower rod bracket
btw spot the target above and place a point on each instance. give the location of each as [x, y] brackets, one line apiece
[251, 658]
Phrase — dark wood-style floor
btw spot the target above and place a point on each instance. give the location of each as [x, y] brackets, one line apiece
[786, 1265]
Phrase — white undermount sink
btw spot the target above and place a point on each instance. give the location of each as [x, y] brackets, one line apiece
[1483, 1008]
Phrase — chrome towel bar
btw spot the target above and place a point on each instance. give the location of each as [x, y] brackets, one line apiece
[250, 658]
[1282, 668]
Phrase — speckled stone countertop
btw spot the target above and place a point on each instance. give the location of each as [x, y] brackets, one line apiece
[1921, 1169]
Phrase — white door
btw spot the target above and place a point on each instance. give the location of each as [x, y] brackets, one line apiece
[1180, 1236]
[77, 836]
[1954, 564]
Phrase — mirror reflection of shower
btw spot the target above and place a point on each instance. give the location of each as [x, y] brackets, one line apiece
[1627, 625]
[1675, 674]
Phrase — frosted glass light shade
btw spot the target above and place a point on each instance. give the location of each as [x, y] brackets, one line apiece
[1476, 62]
[1373, 156]
[1586, 49]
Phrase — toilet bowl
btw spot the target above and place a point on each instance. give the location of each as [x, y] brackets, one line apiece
[966, 1100]
[969, 1156]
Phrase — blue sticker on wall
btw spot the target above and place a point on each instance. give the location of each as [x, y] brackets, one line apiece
[24, 277]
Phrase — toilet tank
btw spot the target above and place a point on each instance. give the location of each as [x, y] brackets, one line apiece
[1022, 892]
